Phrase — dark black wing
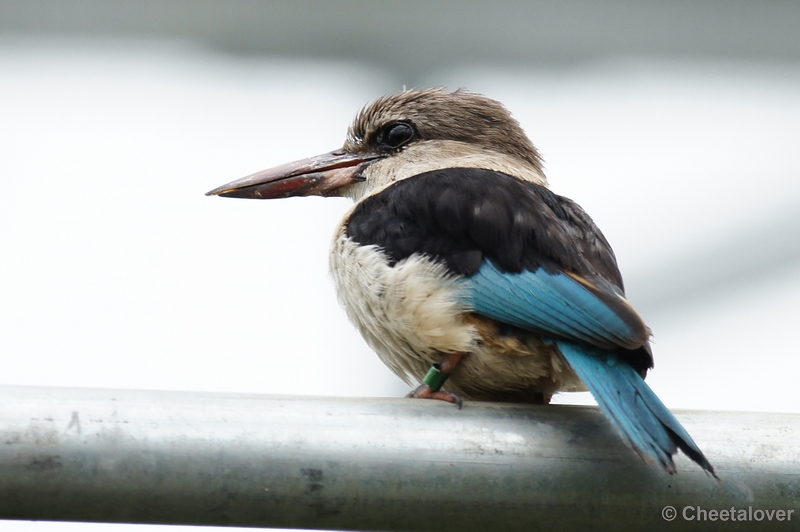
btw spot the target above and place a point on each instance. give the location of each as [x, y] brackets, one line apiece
[462, 216]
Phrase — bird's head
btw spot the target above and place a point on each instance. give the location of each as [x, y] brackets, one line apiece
[399, 136]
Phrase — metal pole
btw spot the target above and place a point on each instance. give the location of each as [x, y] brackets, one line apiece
[375, 464]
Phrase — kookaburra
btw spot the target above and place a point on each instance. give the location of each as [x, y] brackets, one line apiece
[465, 273]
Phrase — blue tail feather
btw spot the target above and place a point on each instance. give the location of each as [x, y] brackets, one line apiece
[632, 406]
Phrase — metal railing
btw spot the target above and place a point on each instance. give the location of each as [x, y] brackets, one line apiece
[376, 464]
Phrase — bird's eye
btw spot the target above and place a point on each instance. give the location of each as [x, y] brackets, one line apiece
[397, 135]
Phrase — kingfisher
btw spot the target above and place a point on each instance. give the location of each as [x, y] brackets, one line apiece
[467, 275]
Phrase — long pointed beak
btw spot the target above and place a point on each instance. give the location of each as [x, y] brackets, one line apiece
[321, 175]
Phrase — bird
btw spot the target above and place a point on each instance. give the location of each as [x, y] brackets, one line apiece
[466, 274]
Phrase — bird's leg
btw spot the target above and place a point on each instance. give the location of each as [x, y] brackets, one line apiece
[435, 379]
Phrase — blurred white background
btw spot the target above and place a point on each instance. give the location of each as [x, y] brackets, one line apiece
[117, 272]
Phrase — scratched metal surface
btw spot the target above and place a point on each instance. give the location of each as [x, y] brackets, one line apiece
[371, 464]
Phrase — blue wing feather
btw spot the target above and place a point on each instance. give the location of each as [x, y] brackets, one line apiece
[554, 303]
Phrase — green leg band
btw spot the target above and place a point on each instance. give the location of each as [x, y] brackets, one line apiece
[435, 378]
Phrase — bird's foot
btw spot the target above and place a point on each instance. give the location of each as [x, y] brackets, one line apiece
[423, 391]
[431, 387]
